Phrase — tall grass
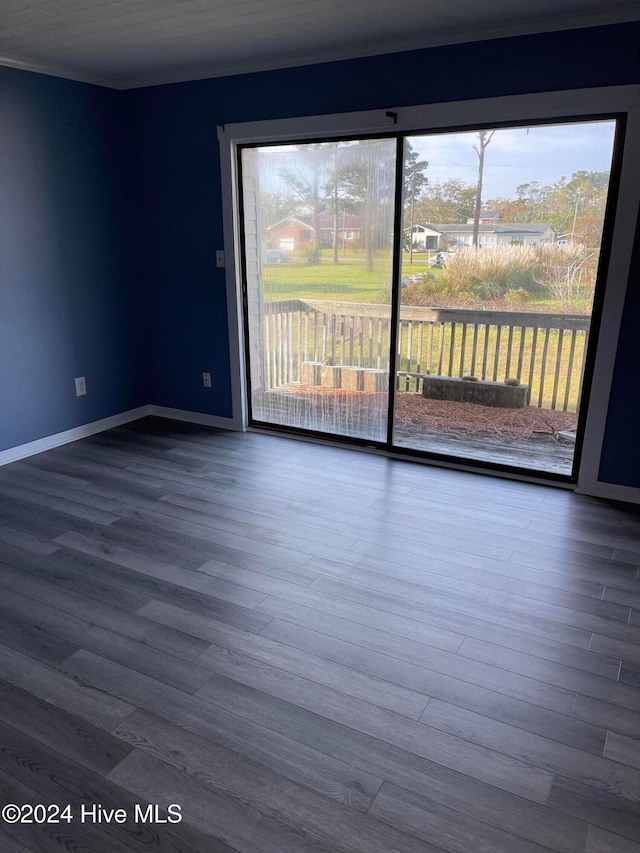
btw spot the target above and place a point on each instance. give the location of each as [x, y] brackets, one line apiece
[565, 273]
[568, 272]
[491, 271]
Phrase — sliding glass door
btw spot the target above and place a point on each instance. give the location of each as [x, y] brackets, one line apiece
[442, 305]
[318, 234]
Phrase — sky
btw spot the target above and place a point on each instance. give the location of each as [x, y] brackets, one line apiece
[518, 155]
[542, 153]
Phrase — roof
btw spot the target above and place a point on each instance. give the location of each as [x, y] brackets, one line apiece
[290, 219]
[501, 228]
[351, 221]
[430, 228]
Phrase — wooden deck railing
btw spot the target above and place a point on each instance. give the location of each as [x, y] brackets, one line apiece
[544, 351]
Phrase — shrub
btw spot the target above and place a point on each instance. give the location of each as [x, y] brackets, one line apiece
[426, 290]
[517, 298]
[312, 254]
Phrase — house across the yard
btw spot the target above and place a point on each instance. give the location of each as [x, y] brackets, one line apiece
[440, 236]
[425, 237]
[349, 227]
[290, 234]
[293, 233]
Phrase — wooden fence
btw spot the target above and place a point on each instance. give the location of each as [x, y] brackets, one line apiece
[544, 351]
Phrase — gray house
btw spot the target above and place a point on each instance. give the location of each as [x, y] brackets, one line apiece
[439, 236]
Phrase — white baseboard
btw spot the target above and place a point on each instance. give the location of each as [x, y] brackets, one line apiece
[195, 418]
[611, 492]
[13, 454]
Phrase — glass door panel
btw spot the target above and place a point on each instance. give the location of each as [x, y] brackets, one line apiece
[502, 235]
[318, 231]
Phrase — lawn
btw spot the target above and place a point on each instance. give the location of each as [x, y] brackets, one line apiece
[346, 281]
[349, 281]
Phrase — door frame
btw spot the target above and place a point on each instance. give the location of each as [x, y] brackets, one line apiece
[457, 115]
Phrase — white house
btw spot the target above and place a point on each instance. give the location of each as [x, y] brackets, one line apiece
[424, 237]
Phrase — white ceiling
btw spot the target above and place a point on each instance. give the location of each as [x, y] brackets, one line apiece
[129, 43]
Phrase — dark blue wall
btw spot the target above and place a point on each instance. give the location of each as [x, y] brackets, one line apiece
[64, 300]
[620, 462]
[177, 222]
[175, 126]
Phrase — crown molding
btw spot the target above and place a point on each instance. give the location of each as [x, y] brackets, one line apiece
[65, 72]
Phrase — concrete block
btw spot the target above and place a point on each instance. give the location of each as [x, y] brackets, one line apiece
[483, 392]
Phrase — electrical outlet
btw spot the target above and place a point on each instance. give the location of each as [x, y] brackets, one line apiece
[206, 380]
[219, 258]
[81, 386]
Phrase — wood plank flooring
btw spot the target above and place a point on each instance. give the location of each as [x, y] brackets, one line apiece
[311, 649]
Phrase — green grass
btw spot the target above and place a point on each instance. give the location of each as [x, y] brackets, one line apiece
[347, 281]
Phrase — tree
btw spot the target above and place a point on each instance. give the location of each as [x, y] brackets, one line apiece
[275, 206]
[338, 177]
[338, 200]
[310, 183]
[584, 195]
[415, 181]
[447, 201]
[484, 138]
[335, 199]
[587, 229]
[367, 181]
[528, 205]
[575, 208]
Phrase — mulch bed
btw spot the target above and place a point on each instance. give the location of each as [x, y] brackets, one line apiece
[412, 410]
[415, 412]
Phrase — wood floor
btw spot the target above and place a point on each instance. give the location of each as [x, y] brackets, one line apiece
[310, 648]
